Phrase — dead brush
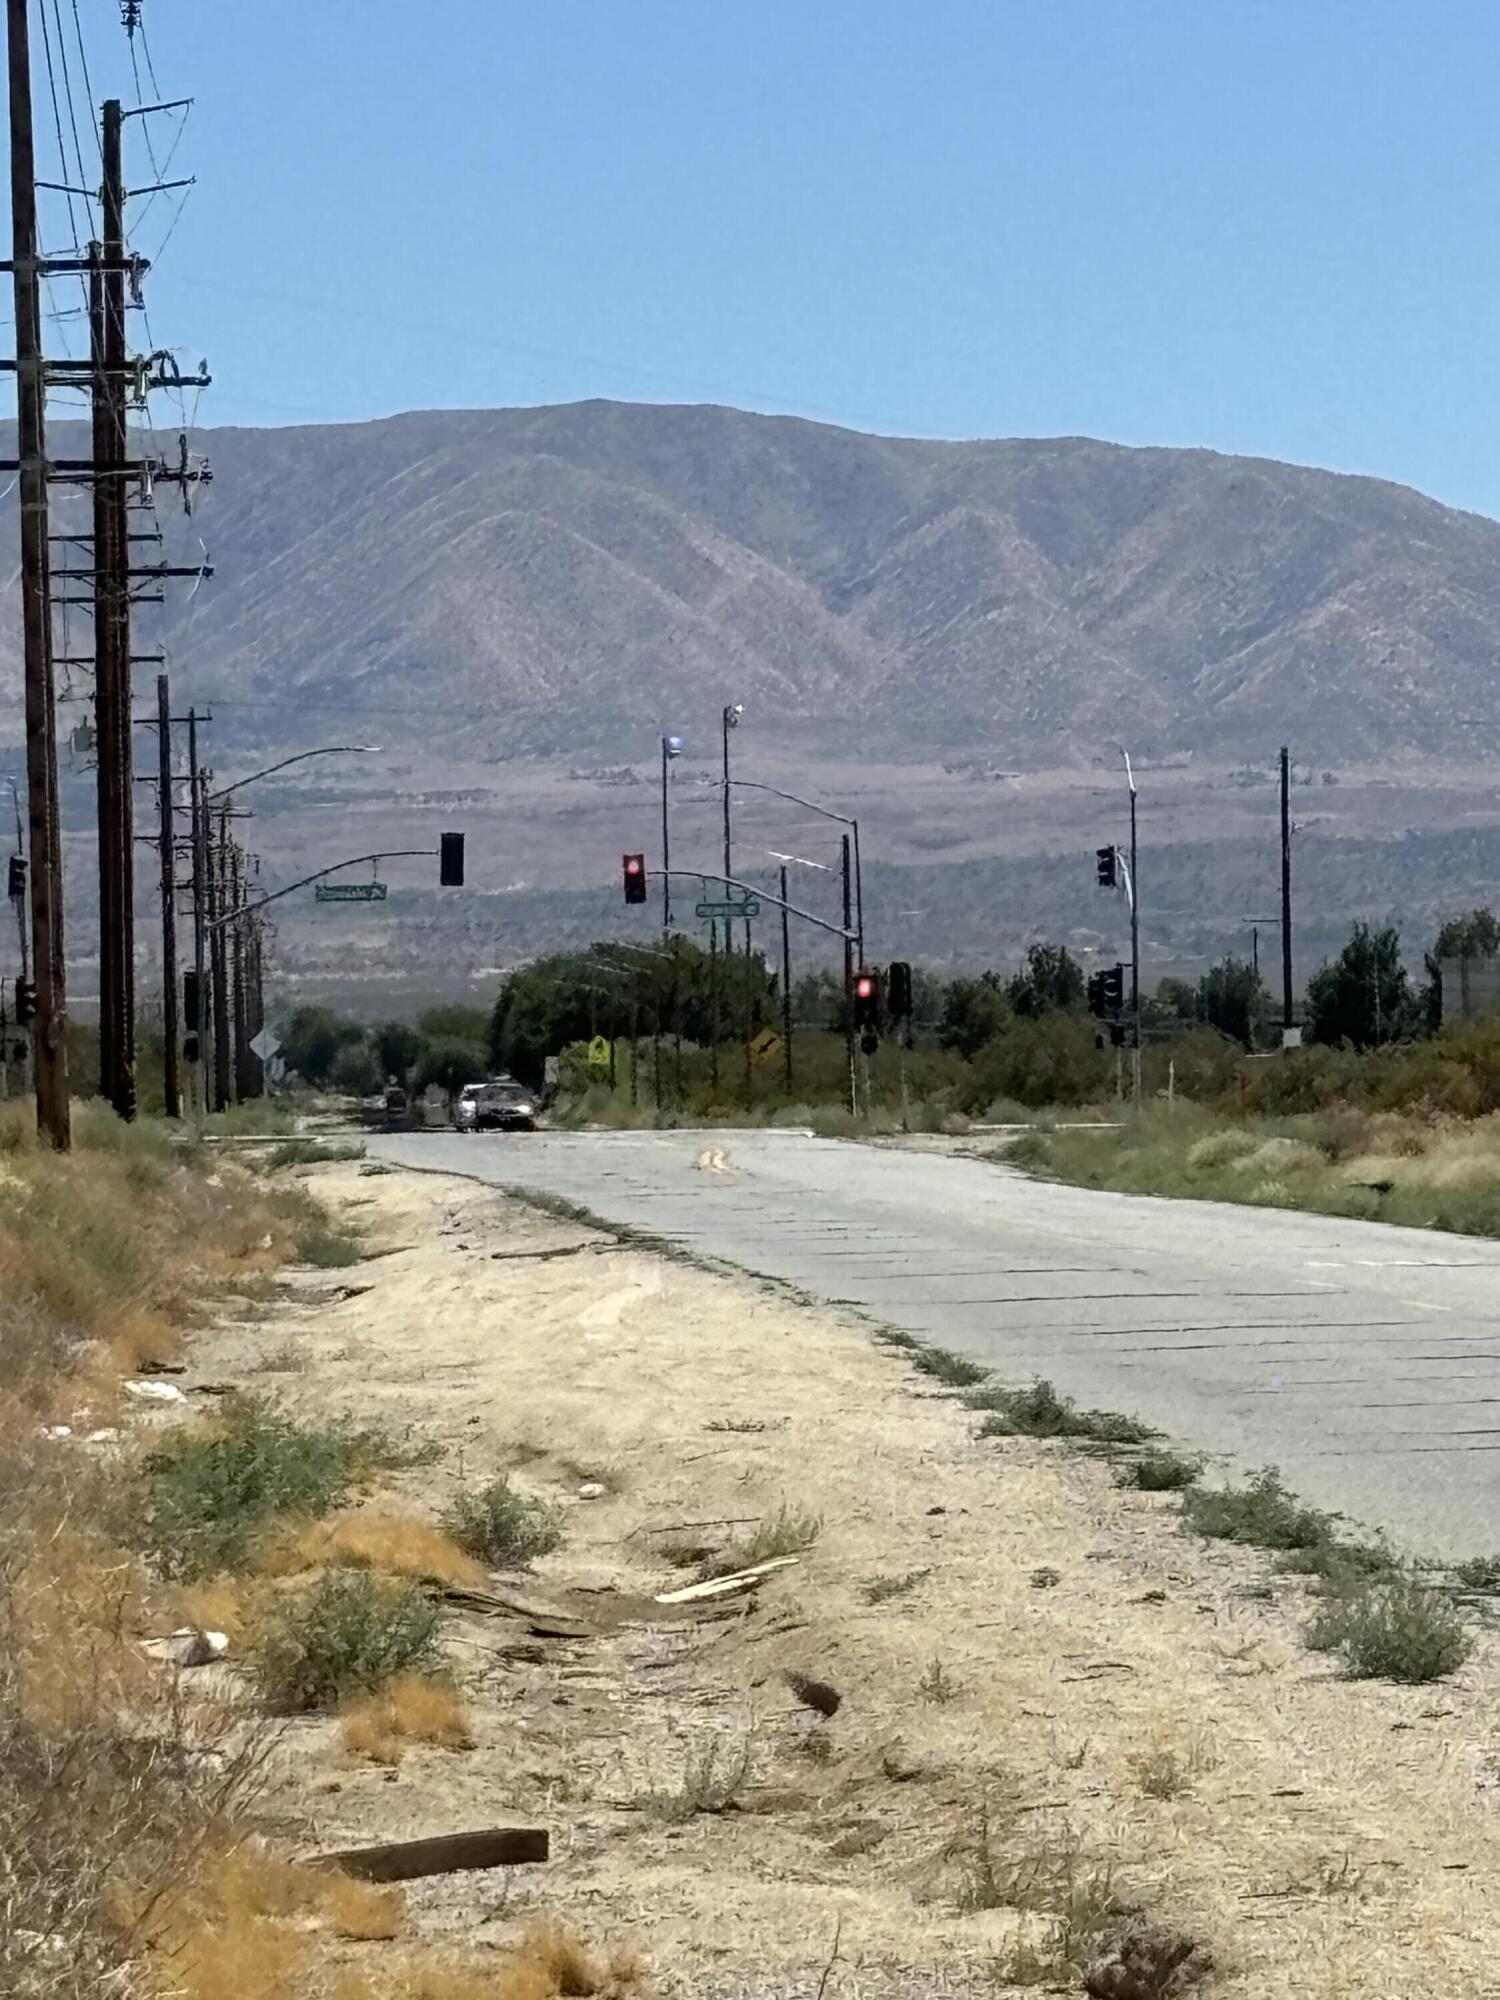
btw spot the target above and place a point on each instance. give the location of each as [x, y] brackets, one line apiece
[550, 1963]
[413, 1708]
[714, 1773]
[392, 1544]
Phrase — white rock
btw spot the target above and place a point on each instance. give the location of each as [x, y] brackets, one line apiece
[591, 1490]
[188, 1647]
[155, 1392]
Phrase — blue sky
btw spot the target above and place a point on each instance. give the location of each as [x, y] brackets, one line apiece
[1266, 226]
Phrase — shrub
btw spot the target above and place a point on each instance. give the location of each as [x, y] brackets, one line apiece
[209, 1494]
[956, 1371]
[1397, 1630]
[349, 1634]
[1261, 1514]
[788, 1532]
[1040, 1411]
[713, 1777]
[1160, 1472]
[502, 1527]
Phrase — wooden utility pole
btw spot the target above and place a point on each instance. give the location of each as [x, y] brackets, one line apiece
[786, 983]
[201, 914]
[50, 1026]
[849, 978]
[238, 965]
[218, 871]
[172, 1086]
[111, 593]
[1286, 895]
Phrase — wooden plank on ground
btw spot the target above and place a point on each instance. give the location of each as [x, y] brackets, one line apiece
[444, 1854]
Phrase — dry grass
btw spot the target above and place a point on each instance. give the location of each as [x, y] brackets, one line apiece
[392, 1544]
[247, 1926]
[414, 1708]
[550, 1963]
[113, 1785]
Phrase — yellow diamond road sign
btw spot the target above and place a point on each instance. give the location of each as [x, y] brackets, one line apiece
[766, 1047]
[598, 1056]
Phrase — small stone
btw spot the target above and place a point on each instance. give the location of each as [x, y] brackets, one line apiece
[591, 1490]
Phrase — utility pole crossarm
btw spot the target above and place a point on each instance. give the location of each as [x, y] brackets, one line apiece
[354, 861]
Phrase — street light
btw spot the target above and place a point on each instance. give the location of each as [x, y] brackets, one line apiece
[671, 748]
[844, 819]
[327, 750]
[731, 719]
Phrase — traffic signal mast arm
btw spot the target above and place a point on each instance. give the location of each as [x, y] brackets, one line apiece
[354, 861]
[762, 895]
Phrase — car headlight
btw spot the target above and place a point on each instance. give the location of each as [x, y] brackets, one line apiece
[523, 1110]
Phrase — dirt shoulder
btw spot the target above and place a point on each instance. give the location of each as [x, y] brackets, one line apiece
[1020, 1651]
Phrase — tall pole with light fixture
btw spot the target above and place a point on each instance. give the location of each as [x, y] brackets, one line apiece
[671, 747]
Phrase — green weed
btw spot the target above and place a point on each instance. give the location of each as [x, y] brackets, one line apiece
[1260, 1514]
[712, 1779]
[208, 1494]
[502, 1527]
[1397, 1630]
[350, 1633]
[1160, 1472]
[1039, 1411]
[955, 1371]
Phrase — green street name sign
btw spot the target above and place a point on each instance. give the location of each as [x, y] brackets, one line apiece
[349, 892]
[744, 911]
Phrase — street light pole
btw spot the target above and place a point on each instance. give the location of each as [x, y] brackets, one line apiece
[827, 812]
[671, 746]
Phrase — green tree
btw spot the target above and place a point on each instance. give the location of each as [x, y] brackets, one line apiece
[1231, 997]
[1476, 935]
[453, 1021]
[1051, 981]
[355, 1070]
[1174, 1002]
[395, 1046]
[450, 1065]
[1362, 997]
[312, 1039]
[974, 1012]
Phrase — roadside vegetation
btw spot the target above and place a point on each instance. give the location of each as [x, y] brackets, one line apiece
[131, 1856]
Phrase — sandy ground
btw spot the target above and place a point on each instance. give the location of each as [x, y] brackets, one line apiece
[1334, 1840]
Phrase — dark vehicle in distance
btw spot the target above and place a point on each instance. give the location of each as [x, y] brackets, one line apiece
[501, 1105]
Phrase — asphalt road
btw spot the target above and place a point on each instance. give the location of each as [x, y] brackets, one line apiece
[1364, 1361]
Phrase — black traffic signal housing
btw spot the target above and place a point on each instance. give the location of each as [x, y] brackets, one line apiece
[867, 1001]
[451, 861]
[633, 874]
[25, 1002]
[1096, 996]
[898, 990]
[1107, 866]
[16, 878]
[191, 1004]
[1113, 988]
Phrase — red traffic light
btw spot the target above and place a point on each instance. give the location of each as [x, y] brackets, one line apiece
[633, 868]
[864, 987]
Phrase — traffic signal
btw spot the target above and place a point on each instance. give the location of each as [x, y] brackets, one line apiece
[25, 1002]
[16, 878]
[898, 990]
[451, 861]
[1107, 863]
[190, 1049]
[1113, 985]
[867, 1000]
[191, 1004]
[1096, 996]
[633, 869]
